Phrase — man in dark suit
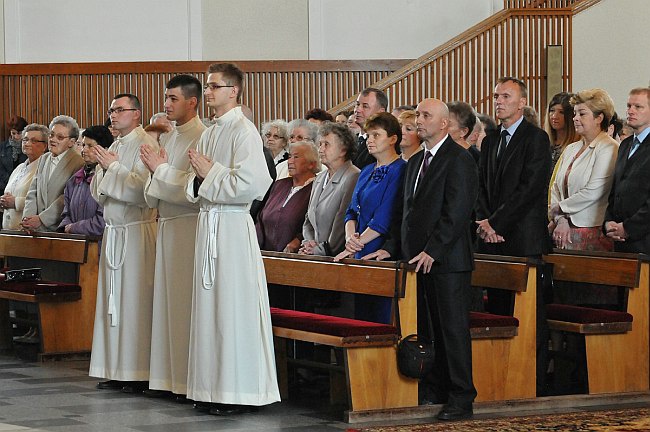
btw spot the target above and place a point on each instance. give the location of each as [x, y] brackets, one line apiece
[512, 203]
[627, 219]
[370, 101]
[432, 231]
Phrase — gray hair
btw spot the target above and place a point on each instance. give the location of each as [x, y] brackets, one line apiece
[311, 154]
[280, 124]
[35, 127]
[68, 122]
[157, 116]
[312, 129]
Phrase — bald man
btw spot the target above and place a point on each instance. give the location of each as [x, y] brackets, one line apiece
[433, 232]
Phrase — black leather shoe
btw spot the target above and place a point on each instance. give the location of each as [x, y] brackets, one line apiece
[110, 385]
[451, 413]
[156, 394]
[135, 386]
[230, 410]
[204, 406]
[182, 399]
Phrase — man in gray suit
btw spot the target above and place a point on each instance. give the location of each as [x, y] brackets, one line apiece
[44, 201]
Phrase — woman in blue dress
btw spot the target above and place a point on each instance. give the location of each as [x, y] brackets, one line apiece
[369, 216]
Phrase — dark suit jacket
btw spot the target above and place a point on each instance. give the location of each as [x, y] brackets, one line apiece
[435, 218]
[629, 199]
[513, 195]
[363, 158]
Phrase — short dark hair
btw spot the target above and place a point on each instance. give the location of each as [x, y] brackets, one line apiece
[231, 74]
[17, 123]
[617, 123]
[318, 114]
[190, 86]
[488, 123]
[464, 114]
[522, 85]
[99, 133]
[345, 136]
[381, 97]
[387, 122]
[133, 99]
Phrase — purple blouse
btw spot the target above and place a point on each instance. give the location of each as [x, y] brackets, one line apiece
[79, 208]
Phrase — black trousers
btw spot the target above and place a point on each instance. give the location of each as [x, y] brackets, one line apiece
[449, 300]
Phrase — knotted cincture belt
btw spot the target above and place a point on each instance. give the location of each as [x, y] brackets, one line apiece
[210, 257]
[110, 237]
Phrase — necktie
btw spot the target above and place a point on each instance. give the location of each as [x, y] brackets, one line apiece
[361, 141]
[635, 146]
[425, 165]
[502, 144]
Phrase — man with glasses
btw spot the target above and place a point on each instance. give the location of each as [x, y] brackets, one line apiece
[165, 190]
[231, 360]
[44, 201]
[122, 334]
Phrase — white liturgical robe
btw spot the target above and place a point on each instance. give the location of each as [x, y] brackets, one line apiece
[231, 357]
[122, 333]
[172, 297]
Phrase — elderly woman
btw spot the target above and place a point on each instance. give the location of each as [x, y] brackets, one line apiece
[44, 202]
[297, 130]
[279, 224]
[369, 215]
[410, 143]
[323, 231]
[34, 143]
[584, 178]
[462, 119]
[276, 138]
[81, 213]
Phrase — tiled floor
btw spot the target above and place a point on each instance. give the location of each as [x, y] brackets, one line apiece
[59, 396]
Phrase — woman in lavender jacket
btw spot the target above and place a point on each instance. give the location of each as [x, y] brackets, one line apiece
[81, 213]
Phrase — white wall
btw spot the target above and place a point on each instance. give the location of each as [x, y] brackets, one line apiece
[387, 29]
[611, 48]
[2, 33]
[40, 31]
[255, 30]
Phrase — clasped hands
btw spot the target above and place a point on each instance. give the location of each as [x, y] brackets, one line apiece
[200, 163]
[353, 245]
[487, 233]
[615, 231]
[152, 159]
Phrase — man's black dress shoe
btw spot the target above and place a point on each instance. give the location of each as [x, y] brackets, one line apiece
[451, 413]
[135, 386]
[229, 410]
[204, 406]
[180, 398]
[110, 385]
[157, 393]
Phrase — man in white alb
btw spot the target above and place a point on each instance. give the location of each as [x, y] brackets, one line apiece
[231, 360]
[165, 189]
[122, 333]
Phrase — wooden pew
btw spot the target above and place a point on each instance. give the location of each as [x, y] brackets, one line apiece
[617, 350]
[503, 354]
[503, 363]
[65, 321]
[372, 378]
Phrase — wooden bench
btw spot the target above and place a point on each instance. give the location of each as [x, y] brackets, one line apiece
[616, 342]
[371, 376]
[503, 357]
[65, 314]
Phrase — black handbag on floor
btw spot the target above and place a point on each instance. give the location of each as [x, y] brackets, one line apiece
[415, 355]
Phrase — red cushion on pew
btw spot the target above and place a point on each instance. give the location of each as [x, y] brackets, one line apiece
[35, 287]
[585, 315]
[481, 319]
[329, 325]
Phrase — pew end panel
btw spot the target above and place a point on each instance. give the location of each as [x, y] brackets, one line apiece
[65, 320]
[617, 350]
[503, 368]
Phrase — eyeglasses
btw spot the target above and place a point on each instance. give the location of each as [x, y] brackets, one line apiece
[296, 137]
[33, 140]
[274, 136]
[119, 110]
[214, 86]
[58, 136]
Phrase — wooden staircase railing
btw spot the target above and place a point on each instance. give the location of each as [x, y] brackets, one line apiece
[511, 42]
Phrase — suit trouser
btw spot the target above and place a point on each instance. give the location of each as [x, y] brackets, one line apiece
[449, 300]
